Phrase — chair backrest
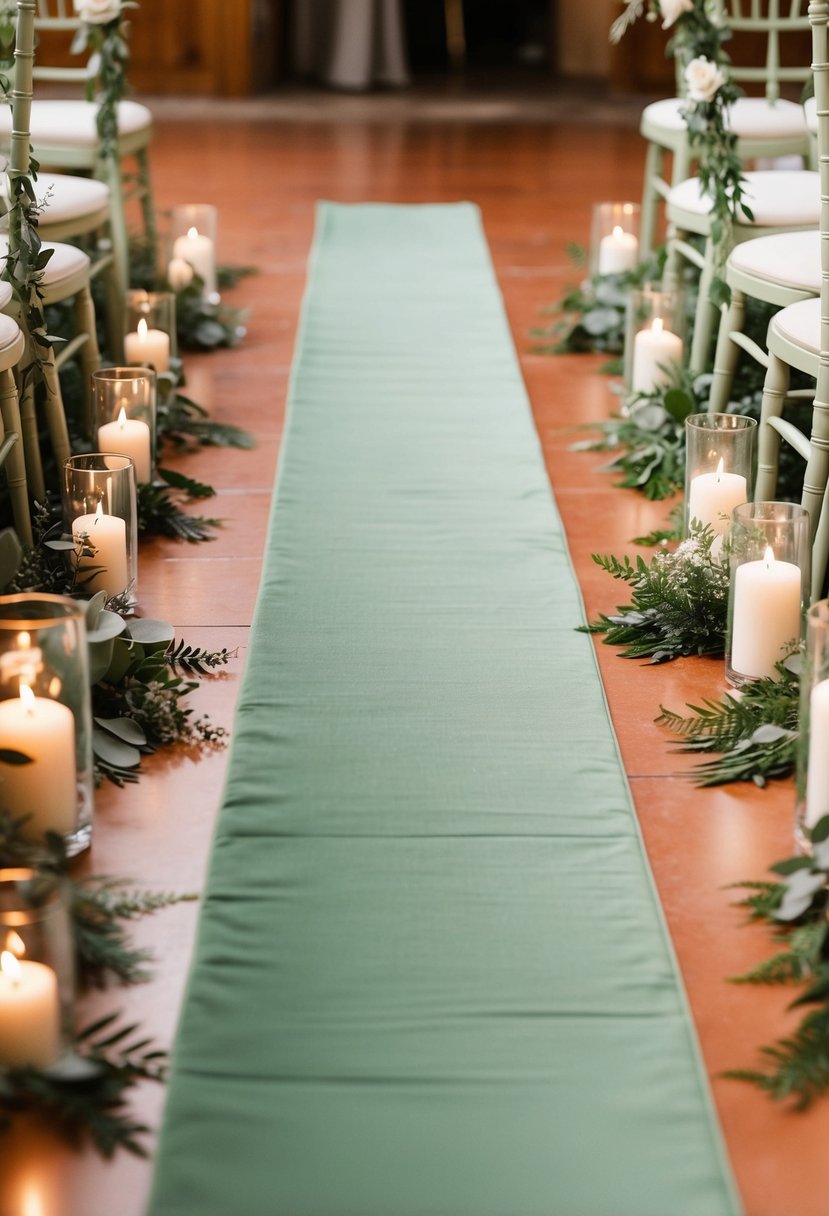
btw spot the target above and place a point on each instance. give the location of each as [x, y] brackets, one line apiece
[771, 28]
[56, 24]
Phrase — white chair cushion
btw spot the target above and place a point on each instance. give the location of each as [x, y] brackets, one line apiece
[71, 123]
[65, 263]
[810, 110]
[749, 117]
[65, 198]
[781, 198]
[800, 323]
[5, 292]
[12, 344]
[791, 259]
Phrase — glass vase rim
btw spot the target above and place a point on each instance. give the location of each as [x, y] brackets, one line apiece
[736, 422]
[75, 463]
[43, 895]
[785, 512]
[71, 610]
[111, 375]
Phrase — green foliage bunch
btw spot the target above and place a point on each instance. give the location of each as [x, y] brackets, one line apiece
[102, 36]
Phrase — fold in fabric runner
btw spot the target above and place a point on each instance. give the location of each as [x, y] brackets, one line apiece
[432, 976]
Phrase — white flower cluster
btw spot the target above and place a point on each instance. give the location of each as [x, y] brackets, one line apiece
[671, 10]
[98, 12]
[702, 79]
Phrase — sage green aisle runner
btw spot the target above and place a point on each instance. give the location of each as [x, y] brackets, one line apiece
[432, 977]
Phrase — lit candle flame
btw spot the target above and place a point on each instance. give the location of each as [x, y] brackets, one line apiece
[15, 944]
[192, 233]
[24, 640]
[27, 697]
[768, 557]
[142, 330]
[10, 967]
[99, 514]
[719, 470]
[658, 325]
[122, 416]
[618, 231]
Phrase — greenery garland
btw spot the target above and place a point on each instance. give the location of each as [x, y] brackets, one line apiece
[102, 33]
[698, 46]
[795, 905]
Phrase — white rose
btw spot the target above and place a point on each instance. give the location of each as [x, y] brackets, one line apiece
[671, 9]
[179, 274]
[98, 12]
[702, 79]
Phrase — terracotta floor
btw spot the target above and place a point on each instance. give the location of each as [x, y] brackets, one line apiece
[535, 181]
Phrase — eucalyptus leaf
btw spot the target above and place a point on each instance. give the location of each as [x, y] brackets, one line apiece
[124, 729]
[152, 634]
[769, 733]
[113, 751]
[9, 756]
[601, 320]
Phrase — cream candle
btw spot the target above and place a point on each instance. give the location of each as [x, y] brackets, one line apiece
[129, 437]
[767, 614]
[199, 252]
[656, 351]
[148, 347]
[29, 1013]
[817, 770]
[45, 788]
[713, 496]
[107, 535]
[618, 251]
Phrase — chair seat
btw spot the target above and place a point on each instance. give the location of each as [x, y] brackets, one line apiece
[778, 199]
[12, 344]
[749, 118]
[65, 198]
[5, 294]
[65, 273]
[791, 259]
[71, 123]
[799, 324]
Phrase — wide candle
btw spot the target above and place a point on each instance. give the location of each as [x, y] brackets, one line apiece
[45, 788]
[29, 1013]
[618, 251]
[713, 496]
[148, 347]
[129, 437]
[656, 351]
[767, 614]
[199, 252]
[817, 769]
[107, 535]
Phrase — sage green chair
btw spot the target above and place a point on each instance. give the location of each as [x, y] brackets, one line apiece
[12, 347]
[766, 125]
[798, 336]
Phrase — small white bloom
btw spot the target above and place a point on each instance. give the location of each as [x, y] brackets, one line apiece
[179, 274]
[672, 9]
[702, 79]
[98, 12]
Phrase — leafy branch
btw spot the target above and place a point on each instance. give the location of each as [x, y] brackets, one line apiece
[679, 602]
[795, 905]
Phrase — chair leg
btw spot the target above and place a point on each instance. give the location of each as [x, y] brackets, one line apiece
[654, 160]
[705, 316]
[817, 467]
[15, 464]
[31, 443]
[768, 441]
[727, 353]
[89, 357]
[55, 414]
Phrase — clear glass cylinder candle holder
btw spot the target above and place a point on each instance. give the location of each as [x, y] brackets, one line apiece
[124, 401]
[719, 468]
[37, 970]
[150, 339]
[100, 511]
[654, 340]
[614, 238]
[770, 560]
[813, 730]
[46, 718]
[193, 229]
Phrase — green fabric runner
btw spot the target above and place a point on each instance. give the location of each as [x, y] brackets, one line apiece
[432, 977]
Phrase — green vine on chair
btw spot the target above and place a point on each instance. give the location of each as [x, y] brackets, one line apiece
[698, 46]
[102, 33]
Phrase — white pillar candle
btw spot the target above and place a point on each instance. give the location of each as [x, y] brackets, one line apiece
[107, 534]
[199, 252]
[713, 496]
[46, 787]
[29, 1013]
[767, 614]
[148, 347]
[817, 769]
[618, 251]
[128, 437]
[656, 351]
